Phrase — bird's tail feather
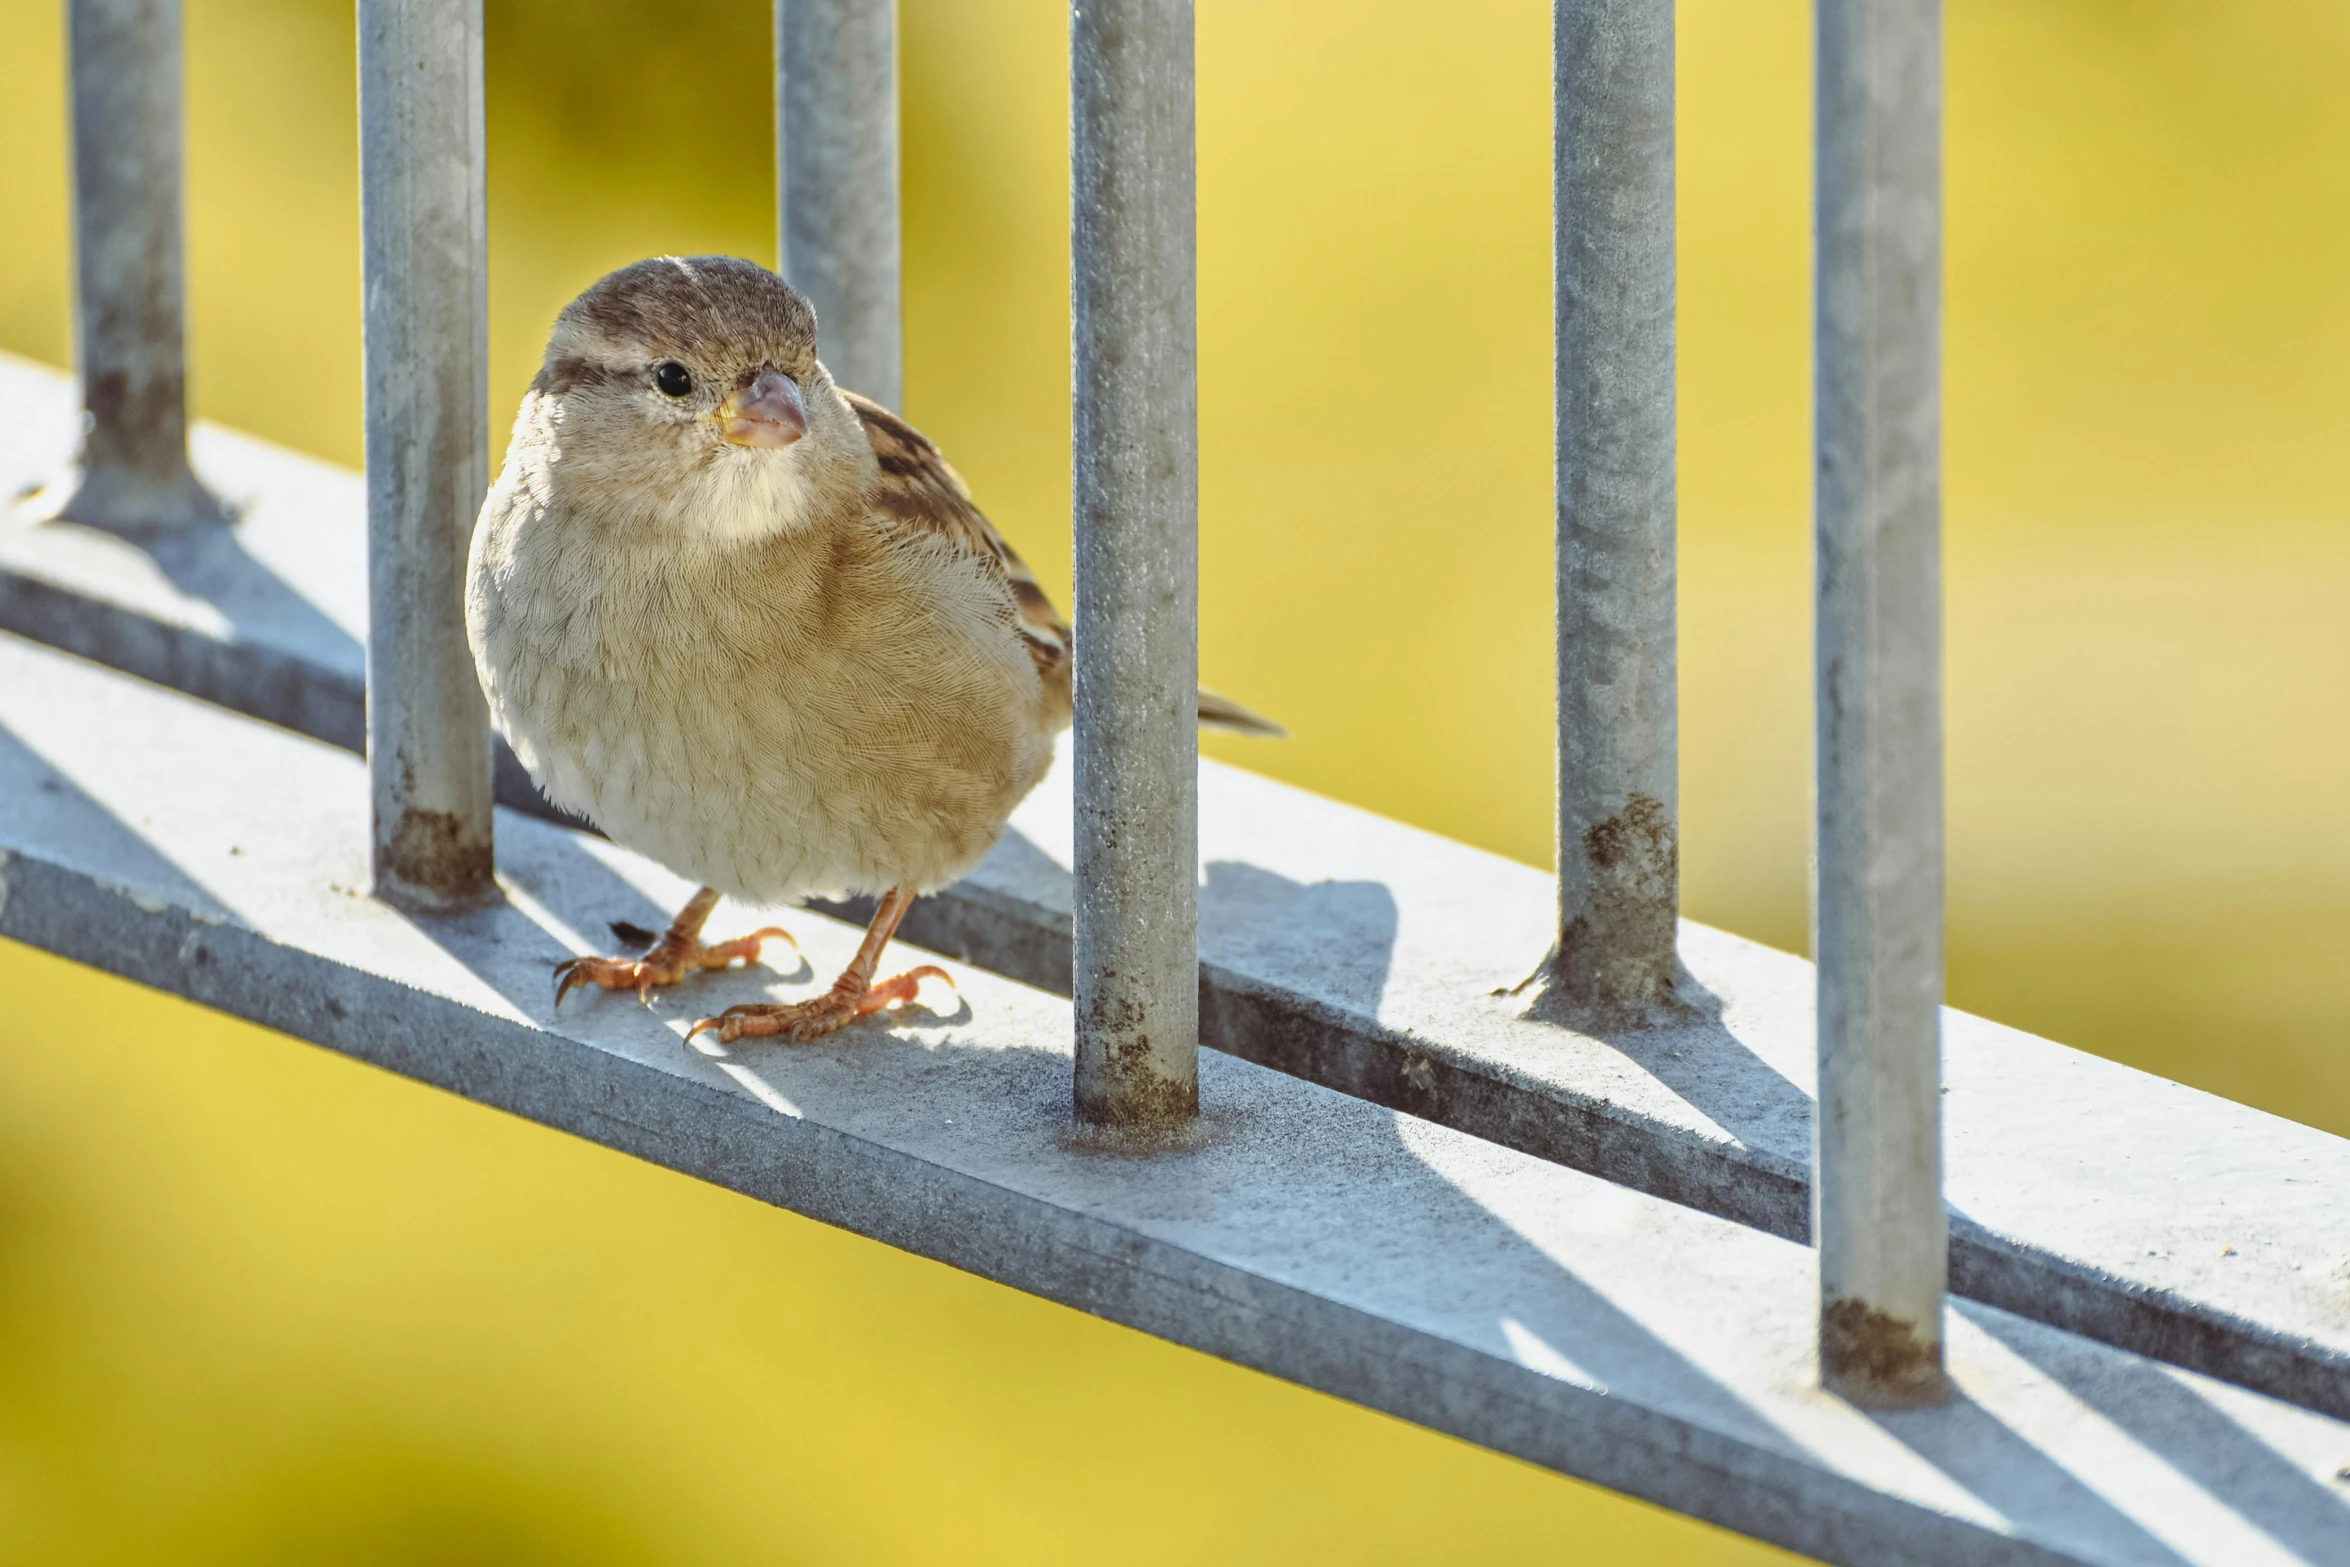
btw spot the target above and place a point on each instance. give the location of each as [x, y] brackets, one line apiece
[1221, 712]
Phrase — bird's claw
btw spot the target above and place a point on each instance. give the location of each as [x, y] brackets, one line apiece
[666, 964]
[800, 1021]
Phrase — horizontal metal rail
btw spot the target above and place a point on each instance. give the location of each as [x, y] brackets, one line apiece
[1519, 1305]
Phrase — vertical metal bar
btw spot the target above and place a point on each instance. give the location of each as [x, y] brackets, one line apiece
[1136, 429]
[132, 473]
[836, 170]
[1618, 704]
[1878, 1218]
[422, 221]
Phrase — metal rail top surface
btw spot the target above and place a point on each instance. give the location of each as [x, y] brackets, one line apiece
[1363, 954]
[1368, 1253]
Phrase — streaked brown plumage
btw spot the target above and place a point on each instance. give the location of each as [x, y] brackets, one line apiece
[753, 626]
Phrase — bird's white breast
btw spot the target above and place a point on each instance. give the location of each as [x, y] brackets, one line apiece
[826, 712]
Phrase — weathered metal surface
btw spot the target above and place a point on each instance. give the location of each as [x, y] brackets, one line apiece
[1618, 704]
[131, 474]
[1136, 459]
[836, 163]
[1360, 953]
[424, 233]
[1441, 1278]
[1877, 1188]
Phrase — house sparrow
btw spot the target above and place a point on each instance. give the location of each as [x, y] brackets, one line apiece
[751, 626]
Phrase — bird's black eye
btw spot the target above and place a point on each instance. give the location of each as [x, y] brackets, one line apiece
[671, 378]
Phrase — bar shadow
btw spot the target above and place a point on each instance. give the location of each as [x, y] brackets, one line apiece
[1693, 1053]
[1018, 862]
[2187, 1431]
[1331, 940]
[1444, 1261]
[1566, 1319]
[516, 957]
[1982, 1453]
[212, 564]
[44, 806]
[1025, 1092]
[1032, 946]
[1965, 1441]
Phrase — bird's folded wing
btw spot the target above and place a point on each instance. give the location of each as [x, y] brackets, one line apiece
[920, 487]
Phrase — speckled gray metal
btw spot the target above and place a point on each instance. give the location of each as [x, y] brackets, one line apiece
[131, 474]
[1618, 700]
[836, 168]
[425, 280]
[1136, 462]
[1877, 1192]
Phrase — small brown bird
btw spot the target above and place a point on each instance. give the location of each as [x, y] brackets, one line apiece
[752, 626]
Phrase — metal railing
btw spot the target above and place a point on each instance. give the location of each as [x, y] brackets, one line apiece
[1879, 1220]
[1135, 438]
[130, 292]
[1877, 1212]
[836, 175]
[424, 233]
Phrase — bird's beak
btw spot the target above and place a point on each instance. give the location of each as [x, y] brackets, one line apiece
[768, 413]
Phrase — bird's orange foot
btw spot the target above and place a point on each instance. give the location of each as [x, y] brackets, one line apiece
[802, 1021]
[672, 960]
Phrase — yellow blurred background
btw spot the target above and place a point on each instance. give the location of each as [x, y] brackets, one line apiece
[258, 1304]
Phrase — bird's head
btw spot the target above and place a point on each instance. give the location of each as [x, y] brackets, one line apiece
[685, 391]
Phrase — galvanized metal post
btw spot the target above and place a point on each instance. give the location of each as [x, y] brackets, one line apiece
[1878, 1217]
[1136, 420]
[427, 320]
[1618, 705]
[836, 170]
[132, 473]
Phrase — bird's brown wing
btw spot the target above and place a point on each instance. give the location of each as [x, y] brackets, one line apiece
[920, 487]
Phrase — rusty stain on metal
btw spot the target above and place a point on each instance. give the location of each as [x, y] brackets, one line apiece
[1614, 965]
[1878, 1360]
[440, 850]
